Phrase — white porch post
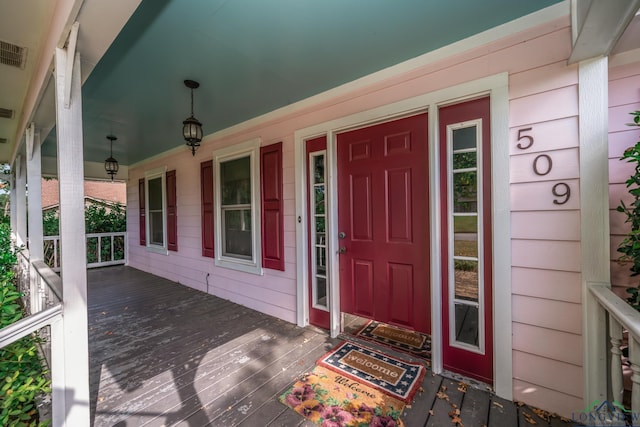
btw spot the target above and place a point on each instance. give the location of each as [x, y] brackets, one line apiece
[34, 209]
[21, 202]
[594, 214]
[12, 203]
[34, 176]
[72, 237]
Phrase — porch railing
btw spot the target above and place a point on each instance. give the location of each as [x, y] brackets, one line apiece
[103, 249]
[42, 300]
[621, 317]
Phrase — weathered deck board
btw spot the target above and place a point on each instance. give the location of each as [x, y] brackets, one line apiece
[162, 354]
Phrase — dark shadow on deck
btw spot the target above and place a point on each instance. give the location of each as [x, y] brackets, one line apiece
[161, 353]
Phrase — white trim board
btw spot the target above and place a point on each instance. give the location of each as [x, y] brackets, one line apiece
[497, 87]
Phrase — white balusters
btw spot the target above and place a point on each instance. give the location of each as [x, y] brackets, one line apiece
[615, 332]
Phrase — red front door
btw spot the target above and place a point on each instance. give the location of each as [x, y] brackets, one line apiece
[383, 222]
[465, 191]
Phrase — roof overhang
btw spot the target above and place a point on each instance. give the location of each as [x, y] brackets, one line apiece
[598, 25]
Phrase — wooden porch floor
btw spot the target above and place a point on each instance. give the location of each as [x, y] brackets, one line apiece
[162, 354]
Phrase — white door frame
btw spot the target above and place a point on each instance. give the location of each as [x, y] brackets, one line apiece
[497, 87]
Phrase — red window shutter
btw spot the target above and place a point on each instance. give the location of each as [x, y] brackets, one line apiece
[172, 207]
[272, 206]
[206, 189]
[143, 222]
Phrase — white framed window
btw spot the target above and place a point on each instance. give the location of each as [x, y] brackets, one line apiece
[237, 201]
[318, 230]
[155, 192]
[465, 208]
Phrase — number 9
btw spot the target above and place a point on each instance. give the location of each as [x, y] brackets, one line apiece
[566, 193]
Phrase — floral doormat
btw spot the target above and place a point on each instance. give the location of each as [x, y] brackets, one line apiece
[395, 377]
[413, 342]
[328, 398]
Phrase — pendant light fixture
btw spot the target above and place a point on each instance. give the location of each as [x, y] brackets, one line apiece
[111, 164]
[191, 127]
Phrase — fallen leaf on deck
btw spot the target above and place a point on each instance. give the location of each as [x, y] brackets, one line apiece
[545, 415]
[498, 404]
[442, 395]
[431, 412]
[454, 413]
[454, 406]
[462, 387]
[529, 418]
[457, 421]
[420, 389]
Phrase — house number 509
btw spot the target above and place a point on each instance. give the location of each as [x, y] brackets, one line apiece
[542, 166]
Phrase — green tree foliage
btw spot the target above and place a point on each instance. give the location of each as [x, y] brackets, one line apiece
[22, 376]
[630, 246]
[97, 218]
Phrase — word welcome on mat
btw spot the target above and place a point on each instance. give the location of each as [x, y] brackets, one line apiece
[395, 377]
[325, 397]
[413, 342]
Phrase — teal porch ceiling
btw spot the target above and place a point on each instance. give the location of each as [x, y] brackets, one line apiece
[255, 56]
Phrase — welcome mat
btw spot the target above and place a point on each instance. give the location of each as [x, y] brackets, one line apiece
[397, 378]
[325, 397]
[413, 342]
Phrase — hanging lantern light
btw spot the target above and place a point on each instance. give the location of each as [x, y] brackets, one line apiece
[191, 127]
[111, 164]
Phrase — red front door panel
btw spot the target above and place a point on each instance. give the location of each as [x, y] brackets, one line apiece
[383, 196]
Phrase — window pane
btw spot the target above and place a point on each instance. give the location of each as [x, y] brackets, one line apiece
[465, 245]
[321, 292]
[235, 177]
[465, 160]
[466, 277]
[155, 194]
[237, 232]
[318, 169]
[320, 224]
[319, 190]
[464, 138]
[465, 189]
[467, 324]
[155, 227]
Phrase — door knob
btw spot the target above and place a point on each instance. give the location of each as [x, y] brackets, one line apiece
[342, 250]
[342, 235]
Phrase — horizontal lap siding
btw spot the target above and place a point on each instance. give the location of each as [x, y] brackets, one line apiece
[624, 97]
[545, 245]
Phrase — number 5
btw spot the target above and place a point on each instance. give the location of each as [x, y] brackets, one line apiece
[527, 137]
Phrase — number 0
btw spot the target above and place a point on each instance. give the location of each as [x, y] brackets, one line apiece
[536, 168]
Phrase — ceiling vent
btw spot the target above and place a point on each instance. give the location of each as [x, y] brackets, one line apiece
[6, 113]
[13, 55]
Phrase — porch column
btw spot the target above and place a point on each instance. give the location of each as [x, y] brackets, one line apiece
[594, 219]
[75, 391]
[21, 201]
[12, 203]
[34, 176]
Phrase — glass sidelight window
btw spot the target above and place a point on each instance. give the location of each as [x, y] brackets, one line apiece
[318, 209]
[464, 173]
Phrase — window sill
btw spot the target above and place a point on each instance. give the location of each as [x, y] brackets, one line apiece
[158, 250]
[239, 265]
